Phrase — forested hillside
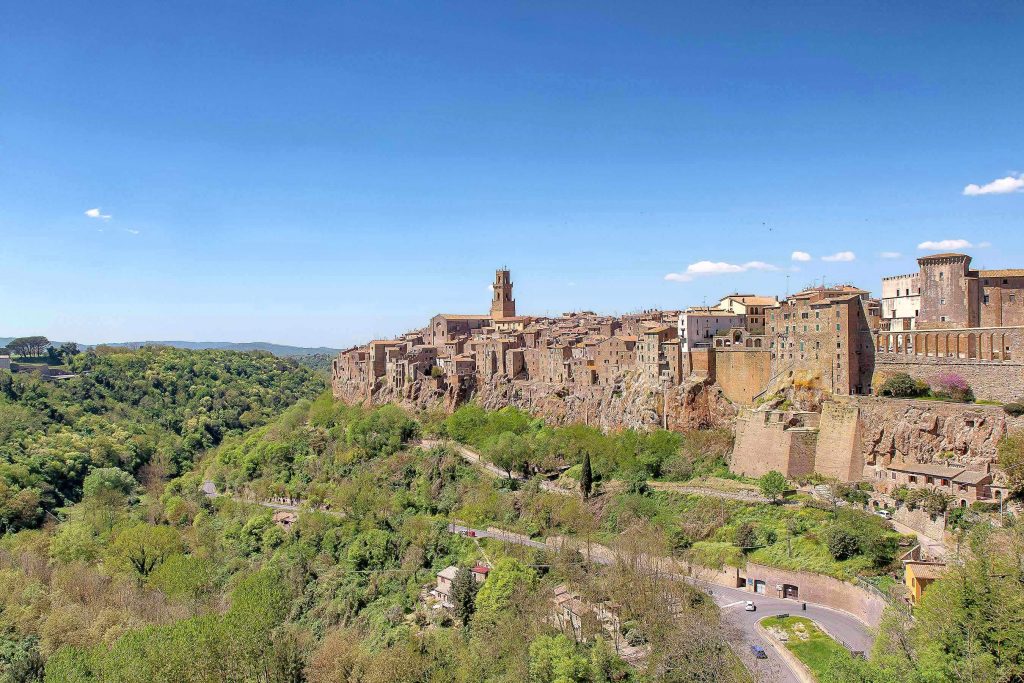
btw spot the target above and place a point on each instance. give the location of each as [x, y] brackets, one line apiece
[162, 582]
[147, 412]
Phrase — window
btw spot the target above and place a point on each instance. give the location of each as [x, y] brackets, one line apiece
[941, 274]
[985, 299]
[838, 327]
[1013, 297]
[942, 302]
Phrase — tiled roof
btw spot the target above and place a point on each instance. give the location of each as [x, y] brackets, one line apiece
[971, 477]
[1008, 272]
[927, 468]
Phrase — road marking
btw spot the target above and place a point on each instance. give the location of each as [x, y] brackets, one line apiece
[733, 604]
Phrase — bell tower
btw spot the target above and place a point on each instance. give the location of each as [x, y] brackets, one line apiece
[502, 303]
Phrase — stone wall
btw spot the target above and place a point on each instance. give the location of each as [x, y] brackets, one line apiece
[742, 374]
[772, 440]
[993, 380]
[922, 522]
[838, 451]
[820, 589]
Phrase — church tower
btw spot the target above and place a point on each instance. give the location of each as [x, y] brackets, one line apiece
[502, 303]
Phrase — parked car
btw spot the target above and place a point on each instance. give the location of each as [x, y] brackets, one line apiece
[750, 606]
[884, 514]
[759, 652]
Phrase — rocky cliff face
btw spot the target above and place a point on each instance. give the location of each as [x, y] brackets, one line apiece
[630, 402]
[931, 431]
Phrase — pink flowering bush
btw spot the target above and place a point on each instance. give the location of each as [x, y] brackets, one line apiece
[952, 386]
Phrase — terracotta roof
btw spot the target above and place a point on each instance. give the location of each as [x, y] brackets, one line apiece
[752, 299]
[449, 572]
[454, 316]
[1008, 272]
[927, 468]
[971, 477]
[928, 570]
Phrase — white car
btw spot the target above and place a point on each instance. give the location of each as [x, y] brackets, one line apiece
[884, 514]
[750, 606]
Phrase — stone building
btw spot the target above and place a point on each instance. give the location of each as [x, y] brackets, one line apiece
[697, 327]
[753, 307]
[614, 356]
[954, 296]
[901, 301]
[650, 352]
[502, 304]
[823, 337]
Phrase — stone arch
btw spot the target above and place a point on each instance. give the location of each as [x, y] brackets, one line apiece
[757, 343]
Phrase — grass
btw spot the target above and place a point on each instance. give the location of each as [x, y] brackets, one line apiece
[810, 644]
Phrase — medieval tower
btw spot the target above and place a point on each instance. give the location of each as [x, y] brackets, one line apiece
[502, 304]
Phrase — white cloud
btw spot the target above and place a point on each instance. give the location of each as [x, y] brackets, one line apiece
[95, 213]
[983, 245]
[131, 232]
[842, 256]
[890, 254]
[800, 256]
[717, 268]
[943, 245]
[1007, 185]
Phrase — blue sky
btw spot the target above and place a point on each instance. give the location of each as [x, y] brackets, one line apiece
[320, 173]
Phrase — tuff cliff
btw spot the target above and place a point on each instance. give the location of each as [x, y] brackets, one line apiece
[629, 402]
[895, 430]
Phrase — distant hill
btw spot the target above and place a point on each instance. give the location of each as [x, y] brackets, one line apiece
[282, 350]
[277, 349]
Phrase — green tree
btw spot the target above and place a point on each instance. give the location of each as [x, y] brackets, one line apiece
[508, 578]
[510, 452]
[773, 485]
[586, 477]
[745, 536]
[556, 659]
[109, 486]
[902, 385]
[464, 590]
[1011, 460]
[841, 542]
[33, 346]
[142, 547]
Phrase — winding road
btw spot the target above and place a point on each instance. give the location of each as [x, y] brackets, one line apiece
[844, 627]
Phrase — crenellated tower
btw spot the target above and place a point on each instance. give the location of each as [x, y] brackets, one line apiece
[502, 304]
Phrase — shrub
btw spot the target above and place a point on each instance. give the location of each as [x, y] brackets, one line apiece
[745, 536]
[954, 387]
[842, 543]
[902, 385]
[1014, 409]
[636, 482]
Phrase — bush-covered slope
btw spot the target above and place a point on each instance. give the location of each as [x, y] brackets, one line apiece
[148, 412]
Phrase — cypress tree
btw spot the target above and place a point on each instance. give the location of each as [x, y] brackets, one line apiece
[464, 589]
[586, 477]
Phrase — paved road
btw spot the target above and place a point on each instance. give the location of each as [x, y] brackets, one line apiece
[731, 601]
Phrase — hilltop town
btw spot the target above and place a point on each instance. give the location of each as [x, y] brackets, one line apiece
[800, 379]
